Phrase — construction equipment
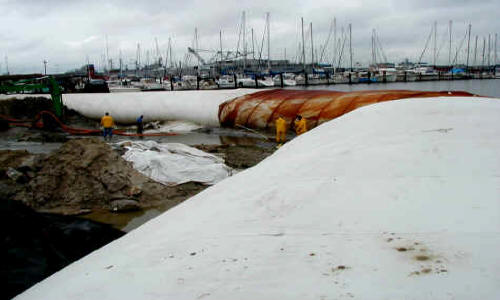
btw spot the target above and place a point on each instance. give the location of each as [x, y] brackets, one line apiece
[42, 85]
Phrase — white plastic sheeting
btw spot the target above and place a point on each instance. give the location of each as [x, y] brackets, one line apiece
[397, 200]
[22, 96]
[172, 126]
[201, 107]
[173, 163]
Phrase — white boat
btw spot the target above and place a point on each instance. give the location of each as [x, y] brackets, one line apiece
[288, 79]
[245, 82]
[386, 75]
[226, 81]
[344, 77]
[425, 73]
[266, 82]
[187, 82]
[120, 86]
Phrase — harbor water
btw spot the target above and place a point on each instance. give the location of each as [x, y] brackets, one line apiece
[484, 87]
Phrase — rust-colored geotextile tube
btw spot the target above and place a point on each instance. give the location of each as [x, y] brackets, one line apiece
[261, 109]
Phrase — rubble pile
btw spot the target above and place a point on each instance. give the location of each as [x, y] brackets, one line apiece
[84, 174]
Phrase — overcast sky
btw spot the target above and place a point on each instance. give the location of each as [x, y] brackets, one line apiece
[66, 32]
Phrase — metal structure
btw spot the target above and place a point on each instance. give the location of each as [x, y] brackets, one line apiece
[43, 84]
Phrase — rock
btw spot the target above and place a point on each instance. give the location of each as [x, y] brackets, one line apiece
[123, 205]
[44, 137]
[126, 144]
[16, 175]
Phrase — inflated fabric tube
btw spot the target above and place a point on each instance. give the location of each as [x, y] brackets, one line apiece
[261, 109]
[391, 201]
[196, 106]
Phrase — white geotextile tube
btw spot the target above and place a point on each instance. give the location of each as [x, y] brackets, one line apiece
[201, 107]
[396, 200]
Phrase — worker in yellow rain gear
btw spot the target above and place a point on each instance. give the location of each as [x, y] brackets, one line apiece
[107, 123]
[280, 130]
[300, 125]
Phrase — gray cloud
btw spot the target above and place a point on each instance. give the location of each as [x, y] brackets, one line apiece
[67, 32]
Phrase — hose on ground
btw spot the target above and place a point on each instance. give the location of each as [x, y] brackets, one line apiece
[38, 122]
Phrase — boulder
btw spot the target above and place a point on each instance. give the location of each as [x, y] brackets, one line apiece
[123, 205]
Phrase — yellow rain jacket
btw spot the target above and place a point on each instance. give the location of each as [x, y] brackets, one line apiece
[300, 126]
[280, 130]
[107, 122]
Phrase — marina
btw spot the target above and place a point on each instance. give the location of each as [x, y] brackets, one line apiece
[250, 150]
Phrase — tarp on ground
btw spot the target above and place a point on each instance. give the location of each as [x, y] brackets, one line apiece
[174, 163]
[397, 200]
[200, 107]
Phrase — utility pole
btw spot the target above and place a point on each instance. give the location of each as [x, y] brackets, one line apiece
[468, 45]
[45, 66]
[268, 43]
[303, 46]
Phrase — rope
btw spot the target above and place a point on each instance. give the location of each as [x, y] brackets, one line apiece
[37, 122]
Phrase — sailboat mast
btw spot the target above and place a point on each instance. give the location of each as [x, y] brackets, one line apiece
[475, 53]
[312, 45]
[107, 54]
[468, 45]
[449, 49]
[138, 57]
[303, 46]
[253, 46]
[489, 42]
[121, 64]
[244, 40]
[496, 49]
[435, 43]
[195, 46]
[268, 42]
[374, 58]
[334, 42]
[350, 44]
[170, 52]
[484, 48]
[6, 64]
[221, 57]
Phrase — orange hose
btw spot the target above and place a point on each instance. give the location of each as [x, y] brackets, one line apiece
[71, 130]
